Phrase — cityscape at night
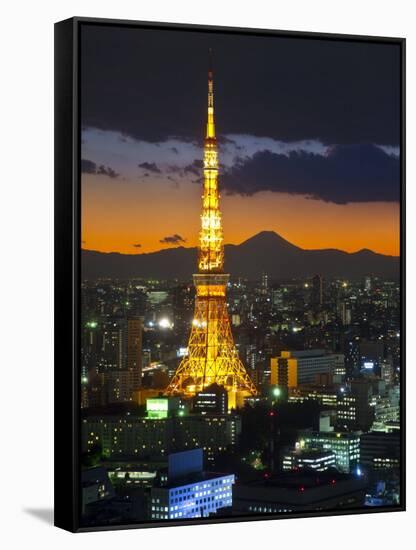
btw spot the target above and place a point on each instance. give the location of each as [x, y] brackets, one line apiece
[241, 300]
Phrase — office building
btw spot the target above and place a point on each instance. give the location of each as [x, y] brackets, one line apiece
[154, 438]
[317, 294]
[189, 492]
[213, 399]
[313, 459]
[324, 395]
[380, 450]
[362, 390]
[294, 368]
[345, 446]
[134, 349]
[387, 372]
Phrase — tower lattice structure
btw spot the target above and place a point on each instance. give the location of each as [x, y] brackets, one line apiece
[212, 356]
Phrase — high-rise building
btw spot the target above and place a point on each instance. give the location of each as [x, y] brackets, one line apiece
[362, 390]
[293, 368]
[113, 345]
[134, 349]
[182, 306]
[387, 371]
[347, 414]
[212, 355]
[119, 370]
[351, 347]
[339, 369]
[317, 294]
[264, 283]
[345, 313]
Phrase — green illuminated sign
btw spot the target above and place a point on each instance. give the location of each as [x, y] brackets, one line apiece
[157, 408]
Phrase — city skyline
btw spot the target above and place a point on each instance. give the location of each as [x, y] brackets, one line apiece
[271, 385]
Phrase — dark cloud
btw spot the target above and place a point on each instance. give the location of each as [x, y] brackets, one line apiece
[194, 168]
[90, 167]
[107, 171]
[287, 88]
[137, 245]
[348, 173]
[173, 239]
[151, 166]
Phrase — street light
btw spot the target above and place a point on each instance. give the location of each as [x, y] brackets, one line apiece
[276, 392]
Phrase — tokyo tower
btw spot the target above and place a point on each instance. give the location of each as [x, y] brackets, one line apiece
[212, 355]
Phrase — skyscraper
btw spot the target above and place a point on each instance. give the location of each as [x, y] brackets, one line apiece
[317, 290]
[212, 356]
[134, 349]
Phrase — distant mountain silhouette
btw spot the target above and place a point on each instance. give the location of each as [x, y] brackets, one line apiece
[266, 252]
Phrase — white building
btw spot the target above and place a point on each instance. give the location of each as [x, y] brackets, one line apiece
[189, 491]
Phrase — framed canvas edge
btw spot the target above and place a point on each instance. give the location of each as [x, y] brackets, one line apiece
[67, 262]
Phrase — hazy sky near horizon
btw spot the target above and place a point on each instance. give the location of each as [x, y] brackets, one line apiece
[308, 131]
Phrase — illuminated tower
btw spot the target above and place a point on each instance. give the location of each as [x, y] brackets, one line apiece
[212, 355]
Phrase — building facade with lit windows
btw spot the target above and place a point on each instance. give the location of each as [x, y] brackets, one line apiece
[345, 446]
[314, 459]
[294, 368]
[199, 498]
[380, 450]
[212, 399]
[325, 396]
[189, 492]
[141, 437]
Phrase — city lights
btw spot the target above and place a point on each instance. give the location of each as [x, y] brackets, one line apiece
[287, 379]
[165, 323]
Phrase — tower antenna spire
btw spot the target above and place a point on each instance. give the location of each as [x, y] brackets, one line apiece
[210, 60]
[210, 121]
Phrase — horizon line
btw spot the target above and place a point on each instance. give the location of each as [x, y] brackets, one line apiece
[239, 244]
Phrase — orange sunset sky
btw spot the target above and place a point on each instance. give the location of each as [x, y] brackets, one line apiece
[116, 215]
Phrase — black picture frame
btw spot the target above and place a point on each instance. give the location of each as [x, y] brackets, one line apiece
[68, 276]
